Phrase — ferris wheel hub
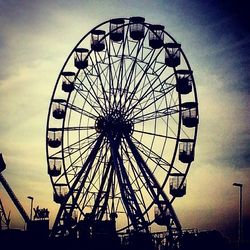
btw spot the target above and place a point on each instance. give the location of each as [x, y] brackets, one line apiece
[114, 124]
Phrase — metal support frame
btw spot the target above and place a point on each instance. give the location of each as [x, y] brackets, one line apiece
[127, 192]
[157, 193]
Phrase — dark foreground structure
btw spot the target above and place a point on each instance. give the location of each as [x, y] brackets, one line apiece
[207, 240]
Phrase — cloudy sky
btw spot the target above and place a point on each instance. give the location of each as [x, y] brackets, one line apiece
[37, 36]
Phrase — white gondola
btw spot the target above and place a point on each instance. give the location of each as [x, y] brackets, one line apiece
[54, 137]
[162, 217]
[68, 81]
[156, 36]
[177, 185]
[117, 29]
[136, 28]
[97, 41]
[55, 166]
[184, 81]
[172, 56]
[186, 150]
[190, 114]
[81, 58]
[58, 108]
[61, 191]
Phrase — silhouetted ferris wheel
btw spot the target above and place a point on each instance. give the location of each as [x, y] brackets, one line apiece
[122, 124]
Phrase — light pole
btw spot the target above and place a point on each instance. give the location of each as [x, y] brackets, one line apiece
[240, 186]
[31, 205]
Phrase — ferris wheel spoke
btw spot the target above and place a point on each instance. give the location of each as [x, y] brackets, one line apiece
[139, 46]
[113, 49]
[123, 70]
[110, 72]
[117, 72]
[154, 99]
[96, 73]
[159, 103]
[127, 89]
[120, 89]
[92, 78]
[72, 166]
[78, 128]
[76, 145]
[154, 157]
[81, 111]
[155, 134]
[103, 70]
[114, 89]
[130, 97]
[114, 57]
[91, 92]
[154, 115]
[96, 66]
[159, 91]
[87, 99]
[120, 76]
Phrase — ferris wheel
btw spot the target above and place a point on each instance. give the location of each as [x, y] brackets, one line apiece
[121, 129]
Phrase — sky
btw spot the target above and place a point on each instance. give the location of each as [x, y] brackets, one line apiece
[35, 40]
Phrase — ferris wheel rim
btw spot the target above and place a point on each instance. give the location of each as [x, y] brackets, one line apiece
[106, 35]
